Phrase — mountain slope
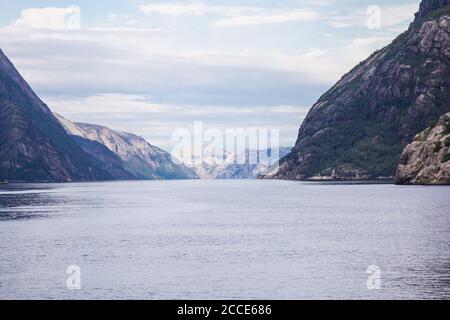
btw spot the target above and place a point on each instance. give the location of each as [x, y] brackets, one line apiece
[427, 159]
[358, 129]
[139, 158]
[33, 145]
[104, 158]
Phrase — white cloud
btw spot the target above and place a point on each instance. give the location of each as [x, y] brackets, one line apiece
[394, 15]
[165, 74]
[361, 48]
[115, 20]
[302, 110]
[50, 18]
[156, 122]
[252, 15]
[174, 9]
[391, 16]
[257, 19]
[107, 103]
[369, 41]
[233, 15]
[197, 9]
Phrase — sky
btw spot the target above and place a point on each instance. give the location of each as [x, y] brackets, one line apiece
[154, 67]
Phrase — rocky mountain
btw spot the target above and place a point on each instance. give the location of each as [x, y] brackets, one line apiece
[126, 156]
[358, 129]
[235, 166]
[34, 147]
[104, 158]
[427, 159]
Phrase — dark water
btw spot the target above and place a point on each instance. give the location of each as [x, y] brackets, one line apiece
[224, 239]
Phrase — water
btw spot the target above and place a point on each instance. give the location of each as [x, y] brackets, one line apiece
[224, 240]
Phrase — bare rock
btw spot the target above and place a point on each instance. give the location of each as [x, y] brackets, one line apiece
[427, 159]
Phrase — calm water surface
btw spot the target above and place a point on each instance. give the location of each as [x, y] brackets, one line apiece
[224, 240]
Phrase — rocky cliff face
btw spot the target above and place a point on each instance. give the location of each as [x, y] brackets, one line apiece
[358, 129]
[33, 145]
[136, 156]
[427, 159]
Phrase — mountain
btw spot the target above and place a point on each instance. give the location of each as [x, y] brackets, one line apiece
[358, 129]
[34, 147]
[126, 156]
[104, 158]
[427, 159]
[234, 166]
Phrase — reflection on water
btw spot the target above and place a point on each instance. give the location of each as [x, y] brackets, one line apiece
[224, 240]
[21, 201]
[32, 201]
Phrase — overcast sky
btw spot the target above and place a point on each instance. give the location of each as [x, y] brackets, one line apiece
[151, 67]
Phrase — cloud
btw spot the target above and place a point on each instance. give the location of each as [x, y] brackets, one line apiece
[107, 103]
[88, 62]
[258, 19]
[238, 16]
[290, 109]
[360, 48]
[50, 18]
[234, 16]
[174, 9]
[156, 122]
[391, 16]
[197, 9]
[152, 75]
[369, 41]
[394, 15]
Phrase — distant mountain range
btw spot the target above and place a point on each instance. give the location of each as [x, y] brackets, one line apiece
[359, 128]
[236, 166]
[125, 155]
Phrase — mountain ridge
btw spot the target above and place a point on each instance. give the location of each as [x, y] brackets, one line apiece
[139, 158]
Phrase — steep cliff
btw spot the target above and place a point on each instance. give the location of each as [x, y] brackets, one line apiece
[358, 129]
[33, 145]
[427, 159]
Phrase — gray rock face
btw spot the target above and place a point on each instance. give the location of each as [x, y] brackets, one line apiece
[427, 159]
[33, 145]
[358, 129]
[138, 157]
